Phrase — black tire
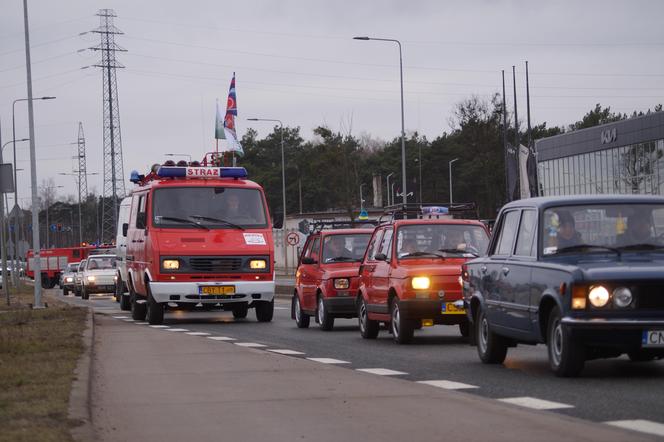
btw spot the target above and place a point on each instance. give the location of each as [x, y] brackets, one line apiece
[240, 311]
[264, 311]
[77, 292]
[65, 291]
[155, 310]
[491, 348]
[640, 356]
[464, 329]
[325, 320]
[84, 293]
[302, 320]
[402, 329]
[566, 357]
[125, 302]
[138, 310]
[368, 328]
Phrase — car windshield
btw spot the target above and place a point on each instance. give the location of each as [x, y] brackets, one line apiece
[345, 247]
[453, 240]
[101, 263]
[603, 228]
[72, 267]
[208, 208]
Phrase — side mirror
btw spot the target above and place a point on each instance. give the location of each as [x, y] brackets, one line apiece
[125, 227]
[380, 257]
[308, 260]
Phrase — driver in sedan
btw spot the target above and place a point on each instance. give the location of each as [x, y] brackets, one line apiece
[335, 248]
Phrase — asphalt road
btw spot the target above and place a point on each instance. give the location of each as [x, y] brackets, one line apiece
[608, 390]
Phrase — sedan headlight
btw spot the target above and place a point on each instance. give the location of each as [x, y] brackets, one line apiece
[91, 278]
[622, 297]
[69, 279]
[257, 264]
[598, 296]
[341, 283]
[421, 282]
[170, 264]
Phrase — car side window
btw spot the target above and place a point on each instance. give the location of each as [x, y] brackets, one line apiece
[315, 249]
[374, 245]
[141, 216]
[386, 244]
[526, 234]
[508, 228]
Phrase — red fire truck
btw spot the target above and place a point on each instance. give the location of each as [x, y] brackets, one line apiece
[199, 234]
[53, 261]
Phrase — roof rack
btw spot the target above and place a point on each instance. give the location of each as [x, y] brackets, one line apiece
[429, 211]
[317, 226]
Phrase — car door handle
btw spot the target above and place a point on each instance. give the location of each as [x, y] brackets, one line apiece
[136, 240]
[483, 269]
[506, 270]
[130, 257]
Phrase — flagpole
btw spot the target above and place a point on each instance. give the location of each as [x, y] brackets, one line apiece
[507, 190]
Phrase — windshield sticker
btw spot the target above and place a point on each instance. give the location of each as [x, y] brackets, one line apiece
[254, 239]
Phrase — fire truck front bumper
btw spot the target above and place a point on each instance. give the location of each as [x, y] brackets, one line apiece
[212, 292]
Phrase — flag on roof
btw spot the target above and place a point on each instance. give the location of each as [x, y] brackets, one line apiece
[229, 120]
[219, 125]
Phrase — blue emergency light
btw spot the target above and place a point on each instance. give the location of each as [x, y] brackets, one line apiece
[435, 210]
[201, 172]
[135, 177]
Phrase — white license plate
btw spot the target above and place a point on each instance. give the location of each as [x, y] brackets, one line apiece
[652, 338]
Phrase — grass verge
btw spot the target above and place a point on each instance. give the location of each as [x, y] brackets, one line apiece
[39, 350]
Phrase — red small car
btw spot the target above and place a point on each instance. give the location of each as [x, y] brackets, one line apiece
[327, 277]
[410, 275]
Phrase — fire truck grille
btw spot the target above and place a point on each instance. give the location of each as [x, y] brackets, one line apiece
[219, 265]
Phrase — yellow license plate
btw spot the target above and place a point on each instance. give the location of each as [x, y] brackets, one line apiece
[217, 290]
[450, 309]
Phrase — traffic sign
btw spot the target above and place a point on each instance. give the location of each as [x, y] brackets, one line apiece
[293, 239]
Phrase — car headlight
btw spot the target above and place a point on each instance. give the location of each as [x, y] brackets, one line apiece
[69, 279]
[598, 296]
[341, 283]
[622, 297]
[421, 282]
[257, 264]
[170, 264]
[91, 278]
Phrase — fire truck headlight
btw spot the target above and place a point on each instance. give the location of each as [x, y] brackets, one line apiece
[170, 264]
[257, 264]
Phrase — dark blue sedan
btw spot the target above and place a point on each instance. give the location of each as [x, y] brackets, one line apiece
[582, 274]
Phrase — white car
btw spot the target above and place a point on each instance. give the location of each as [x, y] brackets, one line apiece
[99, 275]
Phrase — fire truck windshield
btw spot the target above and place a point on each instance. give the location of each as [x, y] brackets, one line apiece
[208, 207]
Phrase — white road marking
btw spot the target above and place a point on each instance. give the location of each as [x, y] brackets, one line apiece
[381, 371]
[221, 338]
[197, 334]
[250, 344]
[178, 329]
[282, 308]
[128, 320]
[328, 361]
[448, 385]
[159, 326]
[642, 425]
[121, 317]
[534, 403]
[142, 323]
[285, 351]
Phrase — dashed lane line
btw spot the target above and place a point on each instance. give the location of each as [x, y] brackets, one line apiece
[283, 351]
[159, 326]
[535, 403]
[197, 334]
[221, 338]
[141, 323]
[250, 344]
[447, 385]
[177, 329]
[641, 425]
[121, 317]
[128, 320]
[381, 371]
[328, 361]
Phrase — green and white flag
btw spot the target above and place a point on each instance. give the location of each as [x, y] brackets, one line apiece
[219, 133]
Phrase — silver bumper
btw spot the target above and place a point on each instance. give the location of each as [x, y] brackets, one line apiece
[189, 292]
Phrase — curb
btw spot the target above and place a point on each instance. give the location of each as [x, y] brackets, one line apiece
[80, 395]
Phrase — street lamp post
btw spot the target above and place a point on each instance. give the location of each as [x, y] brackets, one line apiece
[403, 131]
[450, 166]
[16, 220]
[361, 197]
[388, 188]
[283, 180]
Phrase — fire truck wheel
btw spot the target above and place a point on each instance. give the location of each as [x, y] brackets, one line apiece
[264, 311]
[155, 311]
[240, 311]
[125, 303]
[138, 311]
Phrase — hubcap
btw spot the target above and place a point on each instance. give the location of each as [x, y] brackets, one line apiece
[321, 310]
[395, 320]
[363, 317]
[484, 334]
[298, 313]
[557, 343]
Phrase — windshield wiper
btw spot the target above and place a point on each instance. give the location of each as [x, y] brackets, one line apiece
[341, 258]
[217, 220]
[422, 254]
[645, 246]
[459, 251]
[185, 221]
[578, 247]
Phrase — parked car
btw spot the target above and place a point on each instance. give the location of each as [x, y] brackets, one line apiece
[121, 294]
[69, 278]
[99, 275]
[410, 273]
[581, 274]
[327, 277]
[78, 277]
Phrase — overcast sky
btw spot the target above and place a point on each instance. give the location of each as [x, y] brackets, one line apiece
[296, 61]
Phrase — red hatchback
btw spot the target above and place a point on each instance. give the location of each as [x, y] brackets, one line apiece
[410, 274]
[327, 277]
